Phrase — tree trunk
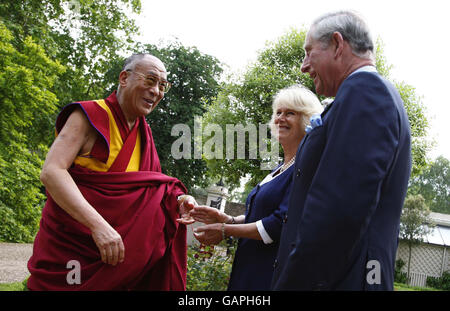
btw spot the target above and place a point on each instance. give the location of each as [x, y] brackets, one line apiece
[409, 264]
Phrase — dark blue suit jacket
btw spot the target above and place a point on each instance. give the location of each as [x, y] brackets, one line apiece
[349, 183]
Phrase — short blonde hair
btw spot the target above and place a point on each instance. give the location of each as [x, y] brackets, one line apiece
[298, 98]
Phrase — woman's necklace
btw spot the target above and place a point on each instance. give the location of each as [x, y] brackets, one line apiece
[287, 165]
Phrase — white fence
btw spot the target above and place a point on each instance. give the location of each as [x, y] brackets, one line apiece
[418, 279]
[426, 260]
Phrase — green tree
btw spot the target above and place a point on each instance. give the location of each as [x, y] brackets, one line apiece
[248, 100]
[434, 185]
[420, 144]
[85, 36]
[25, 80]
[195, 85]
[414, 223]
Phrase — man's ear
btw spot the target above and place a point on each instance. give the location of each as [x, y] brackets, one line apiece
[123, 78]
[338, 43]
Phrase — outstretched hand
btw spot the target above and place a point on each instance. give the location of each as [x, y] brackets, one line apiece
[185, 207]
[208, 215]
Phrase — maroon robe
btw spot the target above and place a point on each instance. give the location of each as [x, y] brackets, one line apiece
[141, 206]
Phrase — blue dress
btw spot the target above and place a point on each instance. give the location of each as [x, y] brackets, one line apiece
[253, 262]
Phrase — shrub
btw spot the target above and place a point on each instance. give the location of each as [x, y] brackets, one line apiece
[442, 282]
[209, 267]
[399, 276]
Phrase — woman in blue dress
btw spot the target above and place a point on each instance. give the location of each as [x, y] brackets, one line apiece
[260, 228]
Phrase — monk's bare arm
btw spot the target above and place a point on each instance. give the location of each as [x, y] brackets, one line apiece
[55, 177]
[76, 137]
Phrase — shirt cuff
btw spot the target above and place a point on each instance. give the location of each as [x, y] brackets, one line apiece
[263, 233]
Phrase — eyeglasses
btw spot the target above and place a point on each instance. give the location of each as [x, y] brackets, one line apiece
[152, 80]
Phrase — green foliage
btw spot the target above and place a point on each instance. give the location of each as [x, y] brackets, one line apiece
[434, 185]
[194, 76]
[20, 193]
[420, 144]
[399, 276]
[383, 67]
[209, 267]
[14, 287]
[248, 100]
[403, 287]
[442, 282]
[25, 80]
[98, 33]
[415, 109]
[414, 223]
[414, 216]
[85, 36]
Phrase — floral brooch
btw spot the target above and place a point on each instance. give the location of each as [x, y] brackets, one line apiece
[315, 121]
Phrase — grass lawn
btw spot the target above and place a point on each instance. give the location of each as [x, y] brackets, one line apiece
[403, 287]
[14, 287]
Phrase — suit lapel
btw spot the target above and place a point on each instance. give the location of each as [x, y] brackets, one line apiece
[327, 108]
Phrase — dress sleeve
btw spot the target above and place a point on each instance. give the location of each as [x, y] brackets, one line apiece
[263, 233]
[272, 224]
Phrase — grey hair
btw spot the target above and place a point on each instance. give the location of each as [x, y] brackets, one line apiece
[298, 98]
[351, 26]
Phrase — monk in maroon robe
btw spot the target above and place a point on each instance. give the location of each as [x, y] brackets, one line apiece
[110, 220]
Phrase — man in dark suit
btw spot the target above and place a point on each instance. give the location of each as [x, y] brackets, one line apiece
[351, 170]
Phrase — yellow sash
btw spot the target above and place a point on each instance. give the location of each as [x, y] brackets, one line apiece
[115, 146]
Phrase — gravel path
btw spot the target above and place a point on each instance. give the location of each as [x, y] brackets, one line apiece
[13, 261]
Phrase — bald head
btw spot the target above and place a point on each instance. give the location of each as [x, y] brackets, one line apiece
[135, 59]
